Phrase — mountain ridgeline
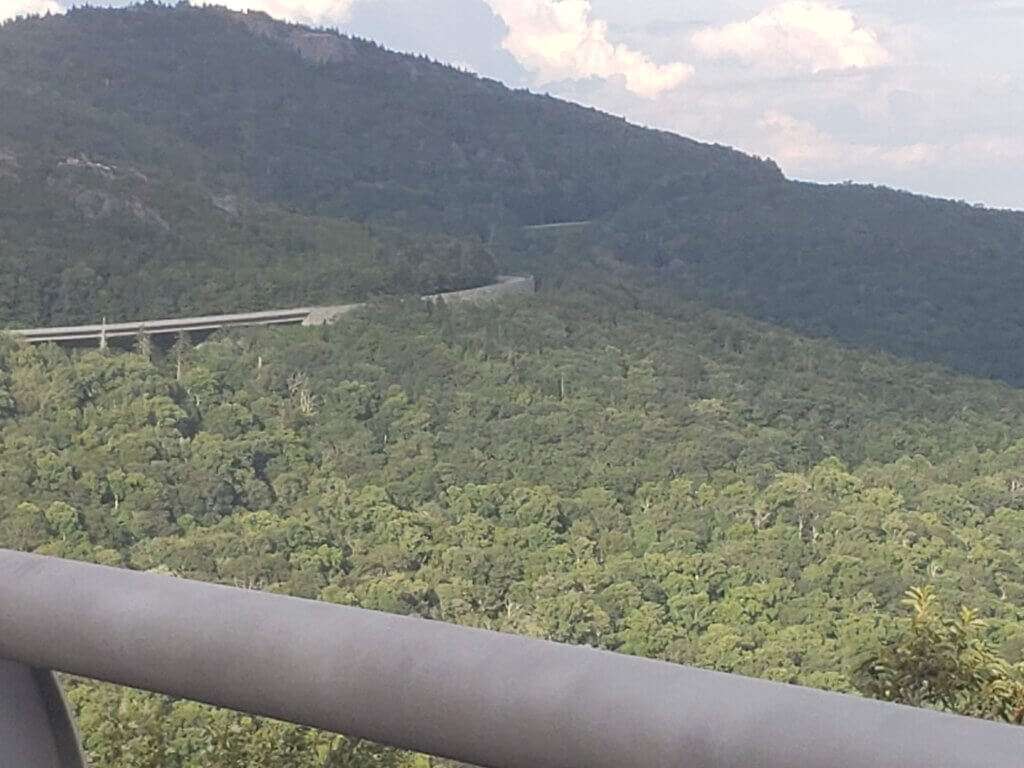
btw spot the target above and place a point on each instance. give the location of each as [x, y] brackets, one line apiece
[229, 140]
[338, 126]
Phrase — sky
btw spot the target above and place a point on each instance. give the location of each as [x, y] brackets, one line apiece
[923, 95]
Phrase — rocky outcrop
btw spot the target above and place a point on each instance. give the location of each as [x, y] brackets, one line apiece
[102, 191]
[322, 47]
[98, 204]
[111, 172]
[227, 203]
[8, 164]
[317, 47]
[83, 163]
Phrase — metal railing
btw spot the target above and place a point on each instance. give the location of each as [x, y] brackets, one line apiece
[480, 697]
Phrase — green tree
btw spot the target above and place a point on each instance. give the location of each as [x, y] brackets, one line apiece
[944, 662]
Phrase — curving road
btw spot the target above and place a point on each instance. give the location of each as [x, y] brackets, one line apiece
[504, 285]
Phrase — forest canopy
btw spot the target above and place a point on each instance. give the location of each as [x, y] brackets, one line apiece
[670, 482]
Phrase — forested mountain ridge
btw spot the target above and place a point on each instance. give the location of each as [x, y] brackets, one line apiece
[82, 240]
[103, 214]
[334, 125]
[924, 278]
[222, 110]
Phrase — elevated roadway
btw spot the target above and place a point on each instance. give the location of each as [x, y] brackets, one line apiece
[102, 333]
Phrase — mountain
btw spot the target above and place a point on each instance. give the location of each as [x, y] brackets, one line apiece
[82, 239]
[922, 278]
[331, 124]
[236, 120]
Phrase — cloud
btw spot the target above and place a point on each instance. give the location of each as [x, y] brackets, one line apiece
[1001, 149]
[797, 34]
[800, 146]
[560, 39]
[314, 12]
[10, 9]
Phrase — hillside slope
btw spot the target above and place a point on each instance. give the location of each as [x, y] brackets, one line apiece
[924, 278]
[679, 484]
[82, 239]
[332, 124]
[214, 106]
[606, 463]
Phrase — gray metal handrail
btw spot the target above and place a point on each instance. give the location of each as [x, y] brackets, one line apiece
[36, 730]
[480, 697]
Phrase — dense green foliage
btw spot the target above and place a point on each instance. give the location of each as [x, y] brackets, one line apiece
[80, 242]
[946, 663]
[329, 124]
[129, 729]
[214, 106]
[106, 214]
[928, 279]
[670, 482]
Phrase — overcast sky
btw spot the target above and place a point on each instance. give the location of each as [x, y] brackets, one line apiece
[925, 95]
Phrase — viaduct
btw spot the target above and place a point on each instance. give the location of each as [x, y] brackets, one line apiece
[102, 333]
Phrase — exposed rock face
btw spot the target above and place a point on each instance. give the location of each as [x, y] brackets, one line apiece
[322, 47]
[102, 191]
[227, 203]
[317, 47]
[98, 204]
[84, 163]
[8, 164]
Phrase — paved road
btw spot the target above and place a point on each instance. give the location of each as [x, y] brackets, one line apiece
[557, 226]
[504, 285]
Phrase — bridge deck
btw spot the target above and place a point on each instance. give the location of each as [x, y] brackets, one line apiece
[323, 315]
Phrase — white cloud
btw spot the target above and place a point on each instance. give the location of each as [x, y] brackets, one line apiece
[315, 12]
[797, 34]
[560, 39]
[10, 9]
[800, 146]
[1002, 149]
